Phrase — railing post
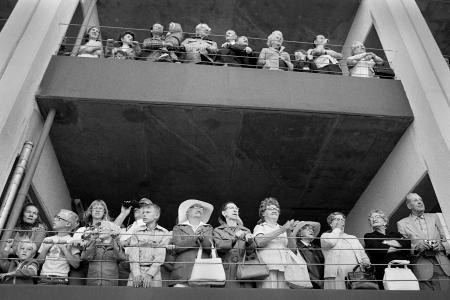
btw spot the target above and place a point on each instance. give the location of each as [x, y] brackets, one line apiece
[23, 191]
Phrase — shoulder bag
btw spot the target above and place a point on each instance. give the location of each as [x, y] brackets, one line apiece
[252, 269]
[364, 279]
[207, 271]
[296, 272]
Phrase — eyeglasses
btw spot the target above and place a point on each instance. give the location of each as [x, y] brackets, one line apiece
[272, 208]
[199, 207]
[59, 218]
[233, 207]
[339, 219]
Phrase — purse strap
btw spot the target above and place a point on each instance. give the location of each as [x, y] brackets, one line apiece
[213, 250]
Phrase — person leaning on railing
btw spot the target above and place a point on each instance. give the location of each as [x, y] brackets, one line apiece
[383, 247]
[126, 48]
[361, 63]
[342, 252]
[152, 46]
[22, 269]
[232, 241]
[274, 57]
[189, 234]
[200, 49]
[93, 46]
[429, 245]
[325, 59]
[274, 243]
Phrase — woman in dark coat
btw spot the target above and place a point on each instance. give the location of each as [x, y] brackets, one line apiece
[232, 240]
[383, 247]
[190, 232]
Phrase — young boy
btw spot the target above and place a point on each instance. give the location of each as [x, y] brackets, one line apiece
[22, 269]
[148, 249]
[57, 252]
[104, 254]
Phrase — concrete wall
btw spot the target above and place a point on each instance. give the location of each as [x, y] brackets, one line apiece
[417, 61]
[35, 31]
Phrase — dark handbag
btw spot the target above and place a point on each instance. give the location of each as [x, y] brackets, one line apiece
[384, 71]
[252, 269]
[364, 279]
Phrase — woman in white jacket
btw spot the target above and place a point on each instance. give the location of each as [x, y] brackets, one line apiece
[342, 252]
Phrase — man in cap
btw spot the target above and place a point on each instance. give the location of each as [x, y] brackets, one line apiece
[306, 233]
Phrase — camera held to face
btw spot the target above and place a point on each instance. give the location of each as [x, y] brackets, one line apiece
[128, 203]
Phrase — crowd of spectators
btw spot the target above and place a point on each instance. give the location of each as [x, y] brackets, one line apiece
[144, 254]
[173, 46]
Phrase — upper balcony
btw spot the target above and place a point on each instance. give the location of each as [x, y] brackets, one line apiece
[176, 131]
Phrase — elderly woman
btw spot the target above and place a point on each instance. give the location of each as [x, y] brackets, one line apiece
[306, 234]
[93, 46]
[342, 252]
[191, 231]
[232, 240]
[29, 226]
[200, 49]
[361, 63]
[274, 57]
[325, 59]
[382, 246]
[272, 241]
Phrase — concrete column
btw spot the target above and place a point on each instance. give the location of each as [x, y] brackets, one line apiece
[22, 74]
[425, 77]
[400, 173]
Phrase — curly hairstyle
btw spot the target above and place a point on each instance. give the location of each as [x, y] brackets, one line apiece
[87, 216]
[331, 216]
[263, 205]
[381, 213]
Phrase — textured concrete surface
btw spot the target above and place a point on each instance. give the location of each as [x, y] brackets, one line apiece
[314, 156]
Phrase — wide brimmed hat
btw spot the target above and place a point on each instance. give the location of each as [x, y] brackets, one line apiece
[315, 226]
[184, 206]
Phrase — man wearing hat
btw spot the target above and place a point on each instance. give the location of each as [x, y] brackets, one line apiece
[306, 233]
[191, 231]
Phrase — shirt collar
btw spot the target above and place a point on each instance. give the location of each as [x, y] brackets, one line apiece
[418, 217]
[187, 223]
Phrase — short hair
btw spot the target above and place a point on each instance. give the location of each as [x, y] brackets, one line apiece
[380, 212]
[276, 35]
[27, 242]
[411, 196]
[125, 33]
[331, 216]
[263, 205]
[152, 205]
[300, 50]
[203, 26]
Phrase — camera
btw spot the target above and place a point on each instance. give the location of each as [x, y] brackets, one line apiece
[128, 203]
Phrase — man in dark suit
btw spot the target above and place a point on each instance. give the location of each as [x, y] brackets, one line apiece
[428, 245]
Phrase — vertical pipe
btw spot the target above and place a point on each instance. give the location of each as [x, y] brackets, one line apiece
[82, 31]
[23, 191]
[14, 184]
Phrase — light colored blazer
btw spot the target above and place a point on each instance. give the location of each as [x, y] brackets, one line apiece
[423, 268]
[331, 242]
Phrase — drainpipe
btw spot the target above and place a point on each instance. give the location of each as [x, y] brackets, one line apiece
[14, 185]
[23, 191]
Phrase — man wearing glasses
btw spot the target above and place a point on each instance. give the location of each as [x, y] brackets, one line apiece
[57, 252]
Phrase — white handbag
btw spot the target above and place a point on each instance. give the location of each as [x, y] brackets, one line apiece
[207, 271]
[296, 273]
[400, 278]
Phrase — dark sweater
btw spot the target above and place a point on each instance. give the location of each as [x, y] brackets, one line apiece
[314, 258]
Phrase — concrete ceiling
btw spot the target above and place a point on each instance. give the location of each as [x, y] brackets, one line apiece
[314, 163]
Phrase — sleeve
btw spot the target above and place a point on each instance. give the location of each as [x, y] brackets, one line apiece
[159, 258]
[444, 241]
[222, 242]
[262, 60]
[88, 254]
[29, 271]
[79, 233]
[183, 242]
[118, 250]
[329, 239]
[402, 230]
[39, 235]
[206, 243]
[4, 262]
[133, 255]
[258, 230]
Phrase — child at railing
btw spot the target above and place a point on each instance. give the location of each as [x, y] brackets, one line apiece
[57, 252]
[22, 269]
[103, 252]
[148, 249]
